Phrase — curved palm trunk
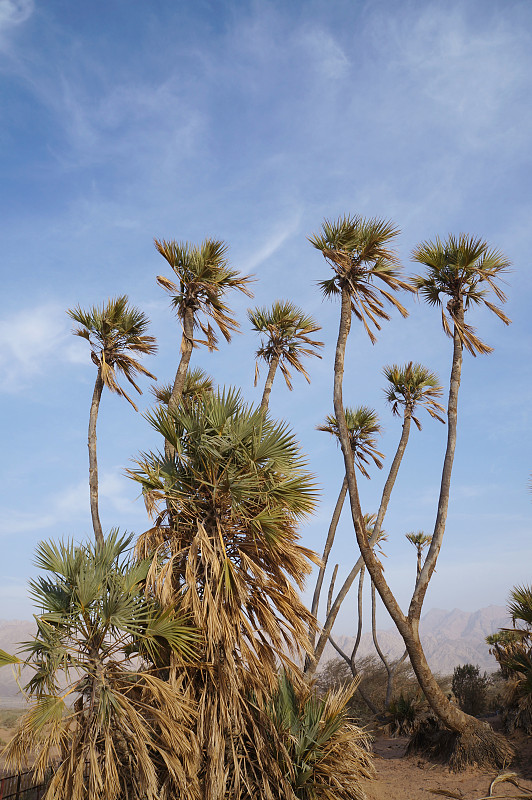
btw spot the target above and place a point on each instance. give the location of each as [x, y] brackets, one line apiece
[385, 499]
[326, 551]
[274, 363]
[455, 720]
[93, 460]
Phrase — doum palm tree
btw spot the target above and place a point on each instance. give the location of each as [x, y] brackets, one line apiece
[198, 296]
[286, 332]
[463, 269]
[408, 387]
[114, 331]
[235, 489]
[420, 540]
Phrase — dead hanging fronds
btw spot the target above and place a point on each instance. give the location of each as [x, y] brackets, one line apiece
[237, 488]
[100, 710]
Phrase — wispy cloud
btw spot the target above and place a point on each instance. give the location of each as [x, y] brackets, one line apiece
[30, 341]
[274, 241]
[15, 12]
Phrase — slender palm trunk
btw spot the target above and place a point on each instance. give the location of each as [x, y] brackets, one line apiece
[326, 551]
[391, 669]
[274, 363]
[454, 719]
[187, 344]
[350, 660]
[93, 460]
[312, 665]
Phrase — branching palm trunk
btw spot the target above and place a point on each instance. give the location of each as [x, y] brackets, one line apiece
[326, 552]
[187, 344]
[482, 741]
[391, 669]
[93, 459]
[350, 659]
[311, 665]
[272, 369]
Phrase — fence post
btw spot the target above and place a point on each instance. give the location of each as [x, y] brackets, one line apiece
[17, 796]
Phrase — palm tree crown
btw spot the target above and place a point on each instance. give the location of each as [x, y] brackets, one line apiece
[358, 250]
[363, 426]
[197, 382]
[464, 269]
[287, 331]
[115, 330]
[204, 276]
[413, 385]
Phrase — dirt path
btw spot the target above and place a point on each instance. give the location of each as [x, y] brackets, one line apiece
[413, 778]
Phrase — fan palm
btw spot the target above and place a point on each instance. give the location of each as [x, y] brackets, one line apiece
[127, 733]
[203, 279]
[114, 331]
[325, 755]
[196, 383]
[420, 540]
[287, 337]
[363, 426]
[408, 386]
[472, 743]
[463, 269]
[235, 490]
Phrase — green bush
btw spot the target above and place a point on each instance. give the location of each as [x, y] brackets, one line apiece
[470, 689]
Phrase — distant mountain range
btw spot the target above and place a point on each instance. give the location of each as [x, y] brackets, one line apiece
[449, 638]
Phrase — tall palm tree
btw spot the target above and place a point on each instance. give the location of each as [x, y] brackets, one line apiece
[420, 540]
[461, 268]
[287, 336]
[408, 387]
[363, 427]
[460, 271]
[203, 279]
[236, 488]
[99, 712]
[114, 331]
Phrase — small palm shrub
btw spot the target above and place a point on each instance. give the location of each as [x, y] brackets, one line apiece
[98, 709]
[325, 756]
[513, 650]
[402, 715]
[470, 689]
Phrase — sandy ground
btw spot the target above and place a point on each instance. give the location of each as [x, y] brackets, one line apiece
[412, 778]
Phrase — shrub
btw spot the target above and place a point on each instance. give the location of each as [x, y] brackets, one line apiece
[470, 689]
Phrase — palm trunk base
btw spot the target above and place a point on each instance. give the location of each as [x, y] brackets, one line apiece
[478, 745]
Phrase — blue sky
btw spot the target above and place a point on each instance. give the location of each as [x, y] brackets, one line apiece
[251, 122]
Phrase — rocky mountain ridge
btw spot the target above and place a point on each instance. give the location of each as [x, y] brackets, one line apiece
[449, 638]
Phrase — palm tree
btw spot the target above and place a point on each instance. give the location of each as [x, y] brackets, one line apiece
[287, 331]
[203, 279]
[114, 331]
[462, 269]
[127, 733]
[458, 271]
[236, 489]
[408, 387]
[196, 383]
[363, 426]
[420, 540]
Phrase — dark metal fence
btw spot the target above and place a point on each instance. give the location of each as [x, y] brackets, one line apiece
[22, 786]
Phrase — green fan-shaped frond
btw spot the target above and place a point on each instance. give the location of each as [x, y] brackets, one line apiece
[363, 427]
[412, 385]
[286, 336]
[360, 252]
[114, 330]
[461, 271]
[203, 278]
